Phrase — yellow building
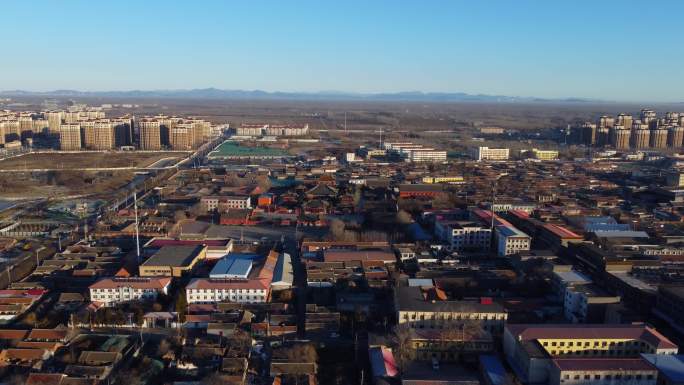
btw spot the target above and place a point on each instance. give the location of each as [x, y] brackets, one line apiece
[414, 311]
[545, 154]
[533, 348]
[443, 179]
[173, 261]
[448, 345]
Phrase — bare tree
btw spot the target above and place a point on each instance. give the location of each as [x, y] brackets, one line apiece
[180, 215]
[404, 217]
[401, 344]
[337, 229]
[264, 182]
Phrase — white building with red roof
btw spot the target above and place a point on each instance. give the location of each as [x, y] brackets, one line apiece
[254, 289]
[207, 290]
[110, 291]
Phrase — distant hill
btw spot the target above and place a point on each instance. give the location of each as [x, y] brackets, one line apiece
[215, 93]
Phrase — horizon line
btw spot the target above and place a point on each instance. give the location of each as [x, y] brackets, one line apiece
[338, 93]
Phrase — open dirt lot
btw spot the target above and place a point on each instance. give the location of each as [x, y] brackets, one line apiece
[70, 161]
[58, 184]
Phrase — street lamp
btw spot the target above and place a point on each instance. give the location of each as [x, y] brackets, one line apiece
[38, 251]
[9, 274]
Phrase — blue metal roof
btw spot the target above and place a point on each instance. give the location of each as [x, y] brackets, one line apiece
[493, 369]
[231, 266]
[672, 366]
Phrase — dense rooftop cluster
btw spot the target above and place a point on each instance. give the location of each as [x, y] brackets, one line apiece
[390, 264]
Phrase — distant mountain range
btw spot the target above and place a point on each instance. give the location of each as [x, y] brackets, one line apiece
[218, 94]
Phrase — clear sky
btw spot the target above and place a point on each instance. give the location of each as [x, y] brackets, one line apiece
[614, 50]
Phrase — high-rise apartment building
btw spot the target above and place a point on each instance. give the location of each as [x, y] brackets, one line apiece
[99, 135]
[588, 134]
[624, 120]
[641, 138]
[124, 130]
[150, 134]
[672, 118]
[675, 136]
[181, 136]
[649, 117]
[659, 138]
[619, 137]
[603, 136]
[69, 137]
[606, 122]
[54, 119]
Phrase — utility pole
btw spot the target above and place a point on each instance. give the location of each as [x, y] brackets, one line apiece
[492, 207]
[84, 218]
[137, 232]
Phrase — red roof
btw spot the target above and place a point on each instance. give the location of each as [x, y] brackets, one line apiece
[266, 272]
[23, 354]
[591, 331]
[197, 318]
[486, 216]
[9, 334]
[134, 282]
[47, 334]
[332, 255]
[561, 232]
[520, 214]
[159, 242]
[21, 293]
[220, 284]
[603, 364]
[45, 378]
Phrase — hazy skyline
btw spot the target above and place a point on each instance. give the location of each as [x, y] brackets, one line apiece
[610, 50]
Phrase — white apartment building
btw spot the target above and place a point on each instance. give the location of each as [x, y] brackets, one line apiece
[581, 302]
[462, 235]
[237, 202]
[412, 152]
[510, 240]
[211, 203]
[110, 291]
[613, 371]
[204, 290]
[486, 153]
[426, 155]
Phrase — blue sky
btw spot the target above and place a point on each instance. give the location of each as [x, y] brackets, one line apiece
[614, 50]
